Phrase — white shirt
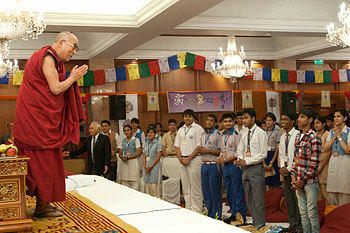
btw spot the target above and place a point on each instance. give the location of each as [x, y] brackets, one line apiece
[290, 148]
[143, 138]
[258, 146]
[187, 139]
[241, 130]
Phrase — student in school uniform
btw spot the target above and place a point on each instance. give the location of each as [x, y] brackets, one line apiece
[272, 180]
[232, 173]
[186, 143]
[211, 172]
[140, 135]
[251, 152]
[286, 157]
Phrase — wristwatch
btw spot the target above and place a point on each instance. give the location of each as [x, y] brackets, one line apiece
[340, 139]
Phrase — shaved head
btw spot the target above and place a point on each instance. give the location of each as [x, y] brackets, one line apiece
[65, 35]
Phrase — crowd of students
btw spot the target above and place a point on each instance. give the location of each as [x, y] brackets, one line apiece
[248, 156]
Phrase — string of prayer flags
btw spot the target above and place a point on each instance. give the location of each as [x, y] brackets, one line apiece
[110, 75]
[174, 62]
[154, 68]
[121, 73]
[89, 78]
[133, 71]
[152, 101]
[190, 60]
[301, 76]
[182, 59]
[335, 76]
[343, 76]
[5, 80]
[325, 99]
[327, 77]
[144, 70]
[163, 65]
[284, 76]
[247, 99]
[309, 76]
[292, 76]
[18, 77]
[99, 76]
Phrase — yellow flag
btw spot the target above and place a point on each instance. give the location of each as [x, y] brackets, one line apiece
[133, 71]
[80, 82]
[275, 75]
[18, 77]
[318, 76]
[182, 58]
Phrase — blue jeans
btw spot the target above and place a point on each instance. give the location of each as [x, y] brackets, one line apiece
[307, 202]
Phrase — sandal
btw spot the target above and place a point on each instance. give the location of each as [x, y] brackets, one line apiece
[47, 214]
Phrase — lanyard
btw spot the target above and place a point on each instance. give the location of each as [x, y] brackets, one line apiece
[149, 148]
[127, 144]
[249, 138]
[269, 135]
[287, 142]
[227, 136]
[186, 131]
[173, 138]
[207, 138]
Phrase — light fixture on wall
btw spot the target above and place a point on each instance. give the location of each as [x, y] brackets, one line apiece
[340, 35]
[233, 65]
[15, 24]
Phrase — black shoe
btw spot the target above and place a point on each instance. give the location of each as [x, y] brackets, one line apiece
[230, 219]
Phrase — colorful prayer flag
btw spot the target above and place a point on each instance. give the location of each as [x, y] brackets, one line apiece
[81, 82]
[310, 76]
[133, 71]
[325, 99]
[121, 73]
[267, 74]
[154, 68]
[319, 76]
[258, 73]
[343, 76]
[99, 76]
[335, 76]
[300, 76]
[284, 76]
[189, 59]
[174, 62]
[199, 63]
[110, 75]
[5, 80]
[144, 70]
[292, 76]
[182, 59]
[18, 77]
[275, 75]
[152, 101]
[208, 64]
[327, 76]
[89, 78]
[164, 65]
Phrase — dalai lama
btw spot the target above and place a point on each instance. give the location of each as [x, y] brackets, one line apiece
[48, 112]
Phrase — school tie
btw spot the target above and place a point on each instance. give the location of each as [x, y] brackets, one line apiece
[248, 146]
[93, 147]
[287, 142]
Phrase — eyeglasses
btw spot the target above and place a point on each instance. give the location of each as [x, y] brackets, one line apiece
[74, 46]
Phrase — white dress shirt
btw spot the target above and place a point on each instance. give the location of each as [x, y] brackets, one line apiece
[187, 139]
[92, 145]
[258, 146]
[290, 148]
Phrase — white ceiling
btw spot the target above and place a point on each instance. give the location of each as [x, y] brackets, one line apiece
[151, 29]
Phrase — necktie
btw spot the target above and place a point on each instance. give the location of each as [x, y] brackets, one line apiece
[287, 142]
[93, 147]
[248, 147]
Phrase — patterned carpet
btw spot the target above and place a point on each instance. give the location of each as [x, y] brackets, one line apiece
[80, 215]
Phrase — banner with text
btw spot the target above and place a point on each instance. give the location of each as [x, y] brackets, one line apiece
[210, 101]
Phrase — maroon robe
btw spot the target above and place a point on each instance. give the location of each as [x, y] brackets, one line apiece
[44, 122]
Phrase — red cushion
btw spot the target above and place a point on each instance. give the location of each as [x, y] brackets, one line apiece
[280, 215]
[338, 220]
[272, 201]
[321, 205]
[68, 173]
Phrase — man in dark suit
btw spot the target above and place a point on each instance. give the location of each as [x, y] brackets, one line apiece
[98, 147]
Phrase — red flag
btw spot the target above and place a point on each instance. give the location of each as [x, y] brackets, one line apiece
[154, 67]
[100, 77]
[248, 76]
[199, 63]
[292, 76]
[335, 76]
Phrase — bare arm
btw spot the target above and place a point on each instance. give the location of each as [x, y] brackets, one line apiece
[138, 153]
[51, 74]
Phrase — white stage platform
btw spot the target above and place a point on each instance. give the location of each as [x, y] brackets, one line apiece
[148, 214]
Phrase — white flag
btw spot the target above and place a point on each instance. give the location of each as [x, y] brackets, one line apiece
[163, 65]
[300, 76]
[110, 75]
[258, 73]
[343, 76]
[208, 64]
[273, 103]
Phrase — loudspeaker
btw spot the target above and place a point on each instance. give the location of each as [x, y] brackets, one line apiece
[117, 109]
[288, 102]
